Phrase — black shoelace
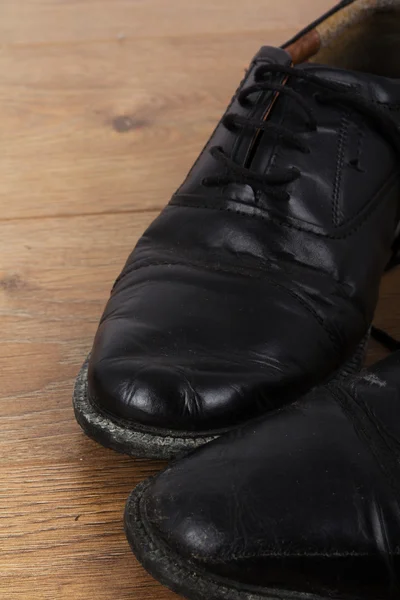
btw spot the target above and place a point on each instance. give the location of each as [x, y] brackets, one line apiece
[271, 183]
[330, 93]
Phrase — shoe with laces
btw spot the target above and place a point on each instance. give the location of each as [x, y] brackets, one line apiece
[260, 278]
[302, 505]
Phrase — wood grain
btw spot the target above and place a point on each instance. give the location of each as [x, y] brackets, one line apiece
[104, 105]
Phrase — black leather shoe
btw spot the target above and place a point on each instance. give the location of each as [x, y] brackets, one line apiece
[260, 278]
[302, 505]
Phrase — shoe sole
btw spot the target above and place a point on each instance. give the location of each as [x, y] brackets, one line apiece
[182, 576]
[126, 437]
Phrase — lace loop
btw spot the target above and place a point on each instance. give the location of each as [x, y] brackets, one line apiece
[234, 121]
[338, 94]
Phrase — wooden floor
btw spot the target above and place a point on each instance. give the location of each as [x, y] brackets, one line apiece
[103, 107]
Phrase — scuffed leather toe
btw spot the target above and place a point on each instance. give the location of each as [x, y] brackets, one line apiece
[296, 502]
[259, 279]
[181, 353]
[150, 395]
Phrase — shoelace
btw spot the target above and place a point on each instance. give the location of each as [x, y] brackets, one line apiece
[338, 94]
[385, 339]
[334, 94]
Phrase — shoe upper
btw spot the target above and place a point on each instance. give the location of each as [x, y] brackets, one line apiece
[260, 278]
[304, 500]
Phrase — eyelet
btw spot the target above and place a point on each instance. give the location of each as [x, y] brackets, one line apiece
[246, 104]
[229, 123]
[261, 77]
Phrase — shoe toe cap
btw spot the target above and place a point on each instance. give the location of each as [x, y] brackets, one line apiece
[277, 505]
[154, 395]
[187, 350]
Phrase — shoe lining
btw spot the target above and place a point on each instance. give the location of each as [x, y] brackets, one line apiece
[363, 36]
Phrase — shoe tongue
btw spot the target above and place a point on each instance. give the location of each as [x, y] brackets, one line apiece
[371, 87]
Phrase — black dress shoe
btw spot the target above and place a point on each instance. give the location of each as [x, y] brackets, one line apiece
[260, 278]
[302, 505]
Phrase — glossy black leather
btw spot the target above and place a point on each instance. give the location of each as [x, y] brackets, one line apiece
[234, 302]
[305, 499]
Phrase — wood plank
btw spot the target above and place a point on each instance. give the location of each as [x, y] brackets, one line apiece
[62, 496]
[101, 127]
[117, 122]
[60, 21]
[104, 106]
